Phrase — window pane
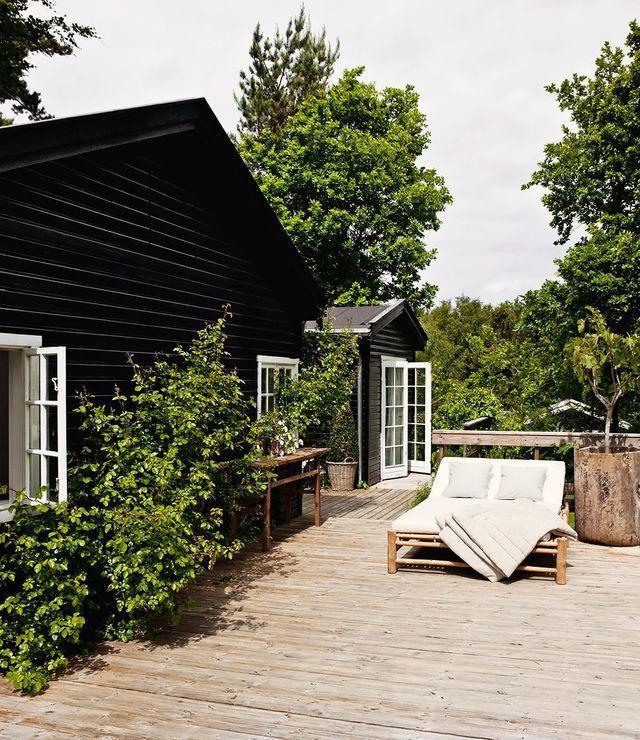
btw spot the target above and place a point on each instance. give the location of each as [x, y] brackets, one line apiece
[389, 375]
[271, 403]
[34, 475]
[270, 380]
[51, 366]
[52, 478]
[263, 379]
[33, 384]
[52, 428]
[399, 376]
[34, 427]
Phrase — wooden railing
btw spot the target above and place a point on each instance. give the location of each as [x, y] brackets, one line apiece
[443, 438]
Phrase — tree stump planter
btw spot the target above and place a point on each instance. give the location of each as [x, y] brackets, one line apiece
[607, 496]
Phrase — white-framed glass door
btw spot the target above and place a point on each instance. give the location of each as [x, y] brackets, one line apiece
[419, 416]
[405, 418]
[394, 419]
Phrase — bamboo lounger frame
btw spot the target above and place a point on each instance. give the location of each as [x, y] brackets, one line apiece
[558, 548]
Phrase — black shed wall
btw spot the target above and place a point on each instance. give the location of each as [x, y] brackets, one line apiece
[132, 250]
[394, 340]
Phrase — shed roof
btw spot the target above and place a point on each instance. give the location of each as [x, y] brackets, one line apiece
[368, 320]
[22, 145]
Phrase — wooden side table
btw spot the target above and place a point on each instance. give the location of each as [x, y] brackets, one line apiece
[276, 464]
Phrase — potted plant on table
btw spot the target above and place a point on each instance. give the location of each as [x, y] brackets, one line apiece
[342, 457]
[274, 436]
[607, 478]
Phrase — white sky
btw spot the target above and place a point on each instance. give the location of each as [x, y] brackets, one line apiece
[479, 66]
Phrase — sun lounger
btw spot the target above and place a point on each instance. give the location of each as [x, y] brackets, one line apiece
[462, 483]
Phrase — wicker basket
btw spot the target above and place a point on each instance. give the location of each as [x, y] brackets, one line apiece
[342, 474]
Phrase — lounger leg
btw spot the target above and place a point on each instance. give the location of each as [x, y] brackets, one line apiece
[392, 551]
[561, 561]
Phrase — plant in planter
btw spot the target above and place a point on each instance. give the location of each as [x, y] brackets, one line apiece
[606, 480]
[273, 435]
[342, 457]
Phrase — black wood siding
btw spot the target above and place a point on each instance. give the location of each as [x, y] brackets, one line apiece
[394, 340]
[132, 250]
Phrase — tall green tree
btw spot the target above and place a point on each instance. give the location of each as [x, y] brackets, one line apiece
[23, 34]
[283, 72]
[591, 178]
[344, 178]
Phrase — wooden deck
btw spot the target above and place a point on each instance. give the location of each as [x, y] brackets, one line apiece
[315, 640]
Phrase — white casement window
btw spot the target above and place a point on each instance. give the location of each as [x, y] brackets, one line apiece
[270, 371]
[45, 424]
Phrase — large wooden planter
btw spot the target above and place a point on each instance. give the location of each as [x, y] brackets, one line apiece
[607, 496]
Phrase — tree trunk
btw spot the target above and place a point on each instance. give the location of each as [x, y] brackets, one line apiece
[607, 429]
[607, 496]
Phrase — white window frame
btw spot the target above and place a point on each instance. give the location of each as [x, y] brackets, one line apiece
[269, 362]
[22, 347]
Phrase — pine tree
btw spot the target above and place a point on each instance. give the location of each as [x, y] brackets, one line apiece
[283, 72]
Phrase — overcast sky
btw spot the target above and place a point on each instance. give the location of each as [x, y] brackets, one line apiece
[479, 66]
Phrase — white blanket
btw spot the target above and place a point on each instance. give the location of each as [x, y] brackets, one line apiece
[494, 537]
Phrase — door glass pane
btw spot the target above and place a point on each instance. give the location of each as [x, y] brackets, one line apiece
[389, 396]
[399, 376]
[51, 387]
[411, 376]
[399, 435]
[422, 376]
[52, 428]
[421, 396]
[412, 395]
[34, 475]
[388, 436]
[399, 455]
[420, 452]
[388, 374]
[34, 427]
[52, 478]
[389, 417]
[399, 396]
[33, 385]
[388, 456]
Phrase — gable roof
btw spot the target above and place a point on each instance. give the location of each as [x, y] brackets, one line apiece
[22, 145]
[368, 320]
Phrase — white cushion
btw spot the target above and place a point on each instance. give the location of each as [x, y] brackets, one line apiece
[422, 518]
[521, 481]
[468, 481]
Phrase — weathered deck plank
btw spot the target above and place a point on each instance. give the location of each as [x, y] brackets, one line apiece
[315, 640]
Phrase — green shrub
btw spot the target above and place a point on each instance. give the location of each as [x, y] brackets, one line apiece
[421, 494]
[343, 436]
[151, 496]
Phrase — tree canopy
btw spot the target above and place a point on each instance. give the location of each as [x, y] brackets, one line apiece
[23, 34]
[343, 177]
[283, 72]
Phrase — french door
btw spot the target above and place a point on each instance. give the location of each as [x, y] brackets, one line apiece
[406, 418]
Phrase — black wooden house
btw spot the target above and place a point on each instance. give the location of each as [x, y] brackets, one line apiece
[393, 398]
[125, 232]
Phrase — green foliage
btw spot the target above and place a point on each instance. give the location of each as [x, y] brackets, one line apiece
[284, 71]
[324, 385]
[343, 177]
[607, 362]
[592, 175]
[484, 365]
[421, 494]
[150, 502]
[23, 33]
[343, 436]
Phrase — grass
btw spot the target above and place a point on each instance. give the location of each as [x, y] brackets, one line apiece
[421, 494]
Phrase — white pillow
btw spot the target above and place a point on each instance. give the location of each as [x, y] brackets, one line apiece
[468, 480]
[521, 481]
